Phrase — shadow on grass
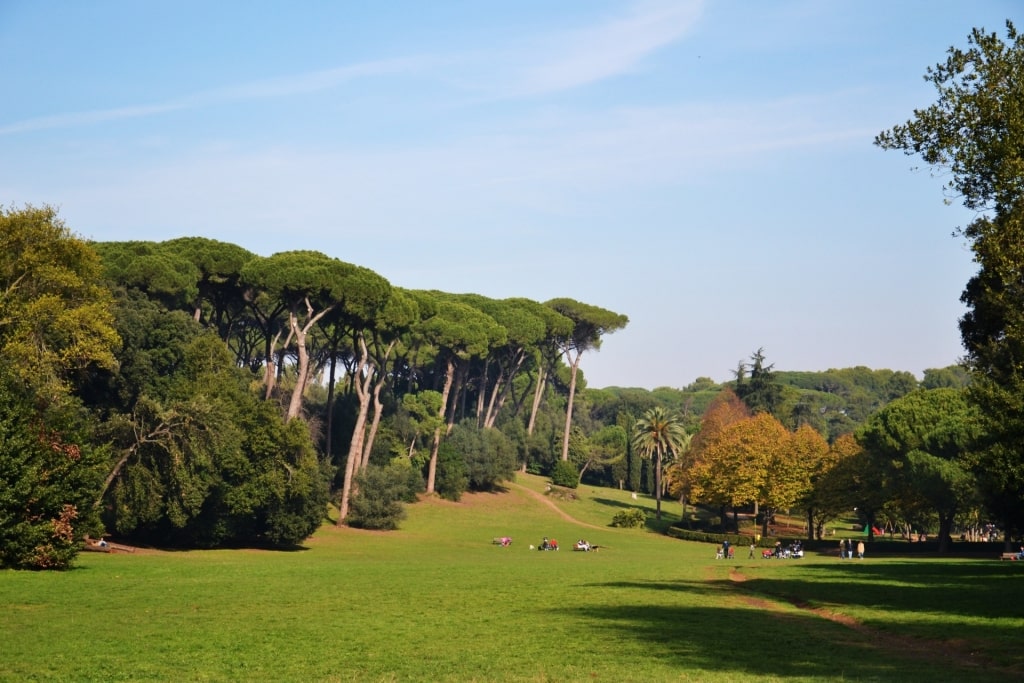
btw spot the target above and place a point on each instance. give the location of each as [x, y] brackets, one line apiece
[651, 523]
[973, 589]
[752, 641]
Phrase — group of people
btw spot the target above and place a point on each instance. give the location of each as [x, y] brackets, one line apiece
[847, 547]
[792, 551]
[725, 551]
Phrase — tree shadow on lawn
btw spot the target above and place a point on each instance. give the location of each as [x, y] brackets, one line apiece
[758, 640]
[608, 502]
[974, 589]
[966, 611]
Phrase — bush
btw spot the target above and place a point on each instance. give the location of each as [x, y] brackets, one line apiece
[452, 480]
[378, 504]
[488, 455]
[631, 518]
[564, 473]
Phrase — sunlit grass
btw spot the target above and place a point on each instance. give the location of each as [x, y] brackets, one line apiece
[437, 601]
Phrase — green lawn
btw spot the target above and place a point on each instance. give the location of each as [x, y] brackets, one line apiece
[437, 601]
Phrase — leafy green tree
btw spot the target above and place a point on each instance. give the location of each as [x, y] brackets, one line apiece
[49, 474]
[456, 332]
[607, 447]
[834, 483]
[311, 285]
[974, 133]
[923, 440]
[163, 275]
[55, 320]
[952, 377]
[56, 329]
[760, 391]
[217, 268]
[655, 435]
[590, 324]
[375, 331]
[209, 464]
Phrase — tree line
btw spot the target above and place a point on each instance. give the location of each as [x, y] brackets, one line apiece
[224, 396]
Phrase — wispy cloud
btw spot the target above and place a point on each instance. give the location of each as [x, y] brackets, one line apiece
[285, 86]
[595, 53]
[552, 62]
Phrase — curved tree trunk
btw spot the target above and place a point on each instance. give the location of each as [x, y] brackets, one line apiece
[363, 377]
[449, 379]
[568, 410]
[538, 393]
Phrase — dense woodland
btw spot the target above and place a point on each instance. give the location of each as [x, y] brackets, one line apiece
[192, 393]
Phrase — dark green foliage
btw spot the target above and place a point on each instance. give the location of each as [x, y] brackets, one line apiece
[761, 392]
[153, 341]
[631, 518]
[496, 462]
[49, 476]
[973, 134]
[919, 444]
[488, 455]
[378, 503]
[564, 473]
[212, 465]
[952, 377]
[452, 477]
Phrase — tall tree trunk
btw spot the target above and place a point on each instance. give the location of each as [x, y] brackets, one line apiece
[481, 393]
[380, 379]
[657, 480]
[538, 393]
[568, 409]
[295, 405]
[270, 372]
[449, 379]
[504, 383]
[355, 449]
[329, 427]
[458, 396]
[302, 372]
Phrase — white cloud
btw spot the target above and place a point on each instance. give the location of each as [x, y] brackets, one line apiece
[285, 86]
[592, 54]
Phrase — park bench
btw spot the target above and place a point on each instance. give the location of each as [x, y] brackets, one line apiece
[1008, 556]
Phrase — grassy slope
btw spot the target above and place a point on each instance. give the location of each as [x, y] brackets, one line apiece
[436, 601]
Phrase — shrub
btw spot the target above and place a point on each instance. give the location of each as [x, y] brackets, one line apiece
[489, 456]
[564, 473]
[631, 518]
[378, 504]
[452, 478]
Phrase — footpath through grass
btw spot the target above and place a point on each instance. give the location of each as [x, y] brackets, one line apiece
[436, 601]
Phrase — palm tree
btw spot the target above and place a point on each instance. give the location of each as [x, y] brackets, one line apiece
[656, 434]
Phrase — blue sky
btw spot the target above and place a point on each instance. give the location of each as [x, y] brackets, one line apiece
[705, 168]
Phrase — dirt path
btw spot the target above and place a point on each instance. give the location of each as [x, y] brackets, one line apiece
[957, 654]
[550, 503]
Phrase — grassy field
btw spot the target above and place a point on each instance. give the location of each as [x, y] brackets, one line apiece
[436, 601]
